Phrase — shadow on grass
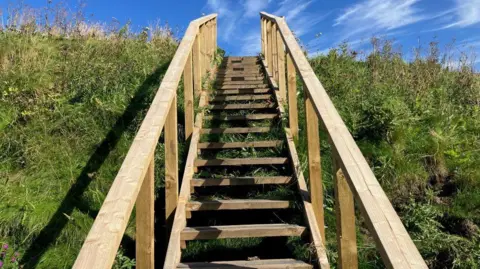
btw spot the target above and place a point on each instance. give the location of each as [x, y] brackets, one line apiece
[72, 200]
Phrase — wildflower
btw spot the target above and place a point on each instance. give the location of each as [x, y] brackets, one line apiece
[1, 264]
[14, 259]
[5, 246]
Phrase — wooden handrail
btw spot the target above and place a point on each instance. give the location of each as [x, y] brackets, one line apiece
[103, 240]
[392, 239]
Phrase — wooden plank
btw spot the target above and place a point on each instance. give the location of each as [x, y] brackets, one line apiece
[292, 97]
[241, 106]
[233, 145]
[236, 130]
[262, 35]
[173, 255]
[240, 161]
[269, 45]
[239, 74]
[171, 164]
[237, 204]
[345, 214]
[314, 163]
[259, 264]
[188, 97]
[318, 242]
[281, 68]
[243, 86]
[274, 67]
[243, 91]
[248, 97]
[145, 221]
[392, 239]
[197, 66]
[243, 117]
[241, 82]
[102, 242]
[221, 79]
[241, 231]
[240, 181]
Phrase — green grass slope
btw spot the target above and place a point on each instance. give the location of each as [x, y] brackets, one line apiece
[70, 105]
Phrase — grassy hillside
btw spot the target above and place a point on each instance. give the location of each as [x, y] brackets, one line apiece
[71, 99]
[418, 124]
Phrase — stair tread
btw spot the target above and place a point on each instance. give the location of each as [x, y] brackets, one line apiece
[241, 231]
[243, 91]
[230, 145]
[243, 86]
[241, 106]
[242, 117]
[235, 130]
[246, 97]
[260, 264]
[240, 181]
[237, 204]
[240, 161]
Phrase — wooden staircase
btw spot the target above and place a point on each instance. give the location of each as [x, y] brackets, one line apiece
[242, 98]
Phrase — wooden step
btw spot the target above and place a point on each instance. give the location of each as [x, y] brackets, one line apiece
[235, 130]
[240, 161]
[241, 231]
[242, 117]
[247, 73]
[233, 145]
[243, 86]
[239, 181]
[243, 91]
[258, 264]
[221, 80]
[240, 204]
[242, 106]
[240, 82]
[249, 97]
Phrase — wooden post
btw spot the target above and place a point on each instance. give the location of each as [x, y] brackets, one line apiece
[215, 36]
[269, 47]
[171, 164]
[262, 41]
[292, 96]
[145, 221]
[275, 52]
[188, 97]
[281, 67]
[197, 67]
[345, 213]
[314, 162]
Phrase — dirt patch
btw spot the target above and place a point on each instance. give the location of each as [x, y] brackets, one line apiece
[459, 226]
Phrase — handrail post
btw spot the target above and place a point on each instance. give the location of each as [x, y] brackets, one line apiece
[269, 47]
[197, 66]
[145, 221]
[262, 36]
[171, 164]
[281, 67]
[292, 96]
[275, 52]
[188, 97]
[314, 162]
[345, 214]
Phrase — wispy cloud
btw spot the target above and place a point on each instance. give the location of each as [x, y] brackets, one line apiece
[299, 19]
[228, 16]
[253, 7]
[372, 16]
[467, 13]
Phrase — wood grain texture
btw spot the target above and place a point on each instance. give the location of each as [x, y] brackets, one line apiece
[233, 145]
[318, 242]
[145, 221]
[237, 204]
[236, 130]
[292, 96]
[241, 106]
[392, 239]
[314, 163]
[345, 214]
[102, 242]
[171, 164]
[241, 231]
[188, 97]
[240, 181]
[241, 161]
[244, 91]
[282, 87]
[197, 67]
[258, 264]
[242, 117]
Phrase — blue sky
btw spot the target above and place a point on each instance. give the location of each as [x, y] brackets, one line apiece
[320, 24]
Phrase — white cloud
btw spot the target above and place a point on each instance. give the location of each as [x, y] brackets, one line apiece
[371, 16]
[467, 13]
[227, 15]
[253, 7]
[297, 15]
